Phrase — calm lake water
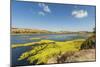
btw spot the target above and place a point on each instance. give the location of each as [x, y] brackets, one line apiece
[20, 39]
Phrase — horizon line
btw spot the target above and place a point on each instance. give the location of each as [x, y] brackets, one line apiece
[54, 31]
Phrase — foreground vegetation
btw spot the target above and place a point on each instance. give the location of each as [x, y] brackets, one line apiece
[47, 49]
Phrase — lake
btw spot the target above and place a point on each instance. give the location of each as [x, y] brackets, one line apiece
[21, 39]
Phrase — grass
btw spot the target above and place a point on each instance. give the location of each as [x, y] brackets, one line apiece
[47, 49]
[21, 45]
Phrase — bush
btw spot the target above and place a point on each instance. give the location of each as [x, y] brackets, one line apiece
[89, 43]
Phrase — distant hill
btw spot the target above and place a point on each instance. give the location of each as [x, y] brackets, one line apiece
[24, 30]
[38, 31]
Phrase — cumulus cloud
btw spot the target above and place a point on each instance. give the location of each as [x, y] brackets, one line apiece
[41, 13]
[79, 13]
[45, 7]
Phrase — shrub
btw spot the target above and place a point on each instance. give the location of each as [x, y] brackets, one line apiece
[89, 43]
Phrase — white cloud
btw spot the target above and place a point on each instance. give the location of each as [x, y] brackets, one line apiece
[41, 13]
[80, 13]
[45, 7]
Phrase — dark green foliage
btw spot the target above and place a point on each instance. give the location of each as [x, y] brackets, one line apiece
[89, 43]
[94, 30]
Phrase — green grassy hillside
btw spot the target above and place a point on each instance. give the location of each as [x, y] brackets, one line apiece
[47, 49]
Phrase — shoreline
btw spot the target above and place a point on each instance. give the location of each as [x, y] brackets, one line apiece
[48, 41]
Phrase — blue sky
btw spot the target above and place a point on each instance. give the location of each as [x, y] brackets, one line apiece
[53, 17]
